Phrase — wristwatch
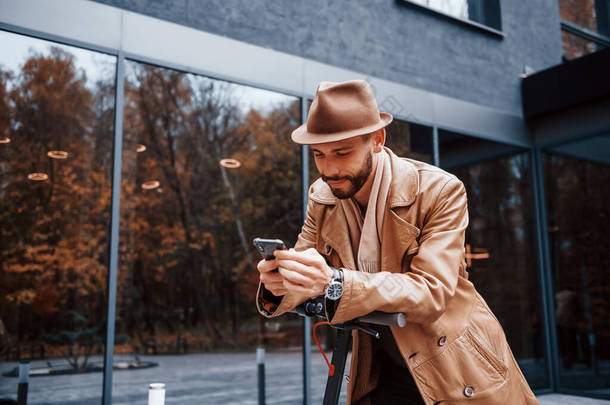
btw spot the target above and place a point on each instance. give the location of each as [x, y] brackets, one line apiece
[334, 290]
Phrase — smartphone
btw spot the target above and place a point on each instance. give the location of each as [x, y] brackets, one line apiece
[266, 247]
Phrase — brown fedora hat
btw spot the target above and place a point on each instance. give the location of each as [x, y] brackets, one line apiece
[339, 111]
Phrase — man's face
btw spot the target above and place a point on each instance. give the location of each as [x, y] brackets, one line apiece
[344, 165]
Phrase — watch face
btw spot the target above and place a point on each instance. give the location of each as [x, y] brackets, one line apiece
[334, 291]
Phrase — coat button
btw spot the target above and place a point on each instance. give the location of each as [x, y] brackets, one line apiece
[468, 391]
[442, 340]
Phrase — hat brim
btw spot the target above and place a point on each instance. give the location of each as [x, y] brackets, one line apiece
[301, 136]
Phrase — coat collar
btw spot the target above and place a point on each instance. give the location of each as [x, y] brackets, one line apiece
[403, 189]
[398, 234]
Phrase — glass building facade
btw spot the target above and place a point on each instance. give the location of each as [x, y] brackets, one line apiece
[176, 172]
[56, 108]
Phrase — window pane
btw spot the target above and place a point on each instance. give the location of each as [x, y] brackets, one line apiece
[576, 176]
[580, 12]
[56, 120]
[410, 140]
[500, 241]
[207, 167]
[486, 12]
[575, 46]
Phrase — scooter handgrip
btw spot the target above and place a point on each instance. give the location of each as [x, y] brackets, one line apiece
[385, 318]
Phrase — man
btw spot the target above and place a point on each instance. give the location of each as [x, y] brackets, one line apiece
[390, 232]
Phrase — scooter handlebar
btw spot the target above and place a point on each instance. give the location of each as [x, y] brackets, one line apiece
[315, 307]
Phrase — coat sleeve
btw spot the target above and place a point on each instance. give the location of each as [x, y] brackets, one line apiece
[423, 292]
[268, 304]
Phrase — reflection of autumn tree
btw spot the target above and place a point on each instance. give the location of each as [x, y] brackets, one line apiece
[77, 343]
[54, 232]
[5, 111]
[186, 249]
[269, 186]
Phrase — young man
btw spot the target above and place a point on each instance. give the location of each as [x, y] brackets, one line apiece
[390, 231]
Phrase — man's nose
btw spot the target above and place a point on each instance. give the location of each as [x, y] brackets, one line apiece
[331, 169]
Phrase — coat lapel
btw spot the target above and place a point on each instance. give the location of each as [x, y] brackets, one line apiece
[334, 232]
[397, 233]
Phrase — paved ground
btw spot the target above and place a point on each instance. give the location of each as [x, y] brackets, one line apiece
[227, 378]
[558, 399]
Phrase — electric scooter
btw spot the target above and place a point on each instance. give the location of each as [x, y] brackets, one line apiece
[313, 308]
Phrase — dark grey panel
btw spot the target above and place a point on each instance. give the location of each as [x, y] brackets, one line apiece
[595, 149]
[577, 121]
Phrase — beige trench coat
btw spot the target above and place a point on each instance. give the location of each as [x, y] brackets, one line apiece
[452, 343]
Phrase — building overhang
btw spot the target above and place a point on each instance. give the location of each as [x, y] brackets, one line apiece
[570, 100]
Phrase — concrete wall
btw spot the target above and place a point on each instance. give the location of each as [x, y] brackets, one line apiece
[386, 39]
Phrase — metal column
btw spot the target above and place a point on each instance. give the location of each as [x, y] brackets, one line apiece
[435, 152]
[114, 228]
[306, 320]
[544, 264]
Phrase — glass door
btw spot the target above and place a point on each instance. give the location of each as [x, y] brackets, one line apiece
[577, 191]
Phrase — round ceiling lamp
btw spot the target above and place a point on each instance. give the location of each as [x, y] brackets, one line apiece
[38, 176]
[230, 163]
[57, 154]
[150, 184]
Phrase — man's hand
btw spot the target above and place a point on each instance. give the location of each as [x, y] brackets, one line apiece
[272, 280]
[304, 273]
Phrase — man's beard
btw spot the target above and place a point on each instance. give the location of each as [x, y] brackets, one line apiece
[356, 181]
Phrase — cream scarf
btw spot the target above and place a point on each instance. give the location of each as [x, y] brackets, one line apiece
[365, 233]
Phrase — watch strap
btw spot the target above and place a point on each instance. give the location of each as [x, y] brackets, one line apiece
[330, 306]
[337, 275]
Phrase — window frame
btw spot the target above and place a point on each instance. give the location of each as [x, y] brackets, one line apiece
[469, 23]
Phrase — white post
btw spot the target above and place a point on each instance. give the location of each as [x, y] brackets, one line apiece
[156, 394]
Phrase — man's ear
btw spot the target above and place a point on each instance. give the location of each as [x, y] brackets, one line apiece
[379, 140]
